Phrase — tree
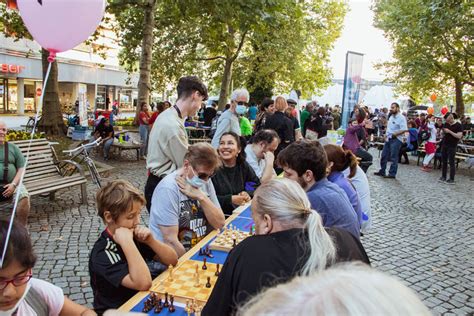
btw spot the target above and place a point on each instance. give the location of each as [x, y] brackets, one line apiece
[258, 44]
[51, 121]
[433, 45]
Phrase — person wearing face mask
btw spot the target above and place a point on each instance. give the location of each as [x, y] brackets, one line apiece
[229, 120]
[185, 207]
[290, 240]
[236, 181]
[260, 153]
[168, 140]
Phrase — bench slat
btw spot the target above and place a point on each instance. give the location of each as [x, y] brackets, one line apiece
[45, 183]
[51, 189]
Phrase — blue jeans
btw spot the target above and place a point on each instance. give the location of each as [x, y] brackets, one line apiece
[107, 144]
[143, 130]
[390, 152]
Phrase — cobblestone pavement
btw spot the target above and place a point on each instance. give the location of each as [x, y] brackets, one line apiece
[422, 233]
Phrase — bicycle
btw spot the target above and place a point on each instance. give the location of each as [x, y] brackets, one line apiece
[84, 151]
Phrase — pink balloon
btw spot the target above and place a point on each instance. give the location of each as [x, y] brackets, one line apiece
[59, 25]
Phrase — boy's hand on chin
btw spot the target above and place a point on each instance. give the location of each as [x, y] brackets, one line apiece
[142, 234]
[123, 235]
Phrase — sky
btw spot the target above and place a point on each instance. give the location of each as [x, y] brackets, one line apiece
[359, 35]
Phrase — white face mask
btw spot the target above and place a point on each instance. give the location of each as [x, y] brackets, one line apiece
[12, 310]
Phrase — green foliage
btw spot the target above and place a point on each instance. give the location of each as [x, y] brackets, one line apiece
[433, 44]
[281, 44]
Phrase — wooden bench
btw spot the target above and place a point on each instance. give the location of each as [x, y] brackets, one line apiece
[126, 146]
[45, 173]
[437, 160]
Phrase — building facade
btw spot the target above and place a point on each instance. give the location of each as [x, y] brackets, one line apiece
[107, 84]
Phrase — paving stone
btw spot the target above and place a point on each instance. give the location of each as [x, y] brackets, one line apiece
[422, 233]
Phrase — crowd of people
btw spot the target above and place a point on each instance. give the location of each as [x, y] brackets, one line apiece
[307, 222]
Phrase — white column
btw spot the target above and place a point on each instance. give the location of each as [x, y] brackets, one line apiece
[20, 94]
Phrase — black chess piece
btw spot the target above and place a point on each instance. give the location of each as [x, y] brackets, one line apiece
[234, 243]
[204, 266]
[147, 306]
[171, 309]
[217, 270]
[208, 284]
[201, 252]
[166, 303]
[158, 309]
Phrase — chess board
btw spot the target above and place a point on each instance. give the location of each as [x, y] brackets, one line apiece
[225, 239]
[182, 287]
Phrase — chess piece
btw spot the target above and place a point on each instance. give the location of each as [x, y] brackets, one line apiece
[171, 309]
[170, 273]
[158, 309]
[234, 242]
[166, 303]
[204, 266]
[147, 306]
[208, 284]
[188, 308]
[197, 268]
[217, 270]
[201, 253]
[196, 279]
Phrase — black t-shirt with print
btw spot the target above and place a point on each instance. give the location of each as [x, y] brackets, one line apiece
[107, 268]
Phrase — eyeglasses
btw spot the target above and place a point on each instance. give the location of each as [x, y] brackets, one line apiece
[18, 281]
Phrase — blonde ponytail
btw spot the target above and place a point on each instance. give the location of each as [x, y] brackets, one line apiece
[285, 201]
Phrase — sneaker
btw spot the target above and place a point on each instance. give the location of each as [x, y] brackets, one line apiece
[425, 169]
[442, 179]
[450, 181]
[389, 177]
[380, 174]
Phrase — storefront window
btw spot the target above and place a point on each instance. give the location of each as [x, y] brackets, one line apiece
[126, 99]
[2, 95]
[30, 96]
[12, 96]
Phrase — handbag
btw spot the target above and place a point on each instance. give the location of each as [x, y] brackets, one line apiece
[5, 175]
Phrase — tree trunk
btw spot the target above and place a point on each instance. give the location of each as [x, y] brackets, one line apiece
[459, 100]
[52, 120]
[144, 82]
[225, 84]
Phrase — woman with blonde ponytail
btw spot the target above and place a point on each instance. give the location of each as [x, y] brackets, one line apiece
[338, 161]
[290, 240]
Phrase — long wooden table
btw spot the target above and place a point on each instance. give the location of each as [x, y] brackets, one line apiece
[241, 218]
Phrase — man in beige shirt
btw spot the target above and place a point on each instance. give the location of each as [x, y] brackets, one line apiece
[168, 141]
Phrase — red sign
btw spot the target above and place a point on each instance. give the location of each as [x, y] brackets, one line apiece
[38, 92]
[12, 69]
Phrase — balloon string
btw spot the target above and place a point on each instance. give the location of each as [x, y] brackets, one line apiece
[17, 195]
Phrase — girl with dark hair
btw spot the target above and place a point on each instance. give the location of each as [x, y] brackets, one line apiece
[339, 160]
[20, 293]
[236, 181]
[267, 108]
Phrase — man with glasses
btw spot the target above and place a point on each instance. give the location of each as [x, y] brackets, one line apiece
[229, 120]
[185, 207]
[168, 141]
[396, 128]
